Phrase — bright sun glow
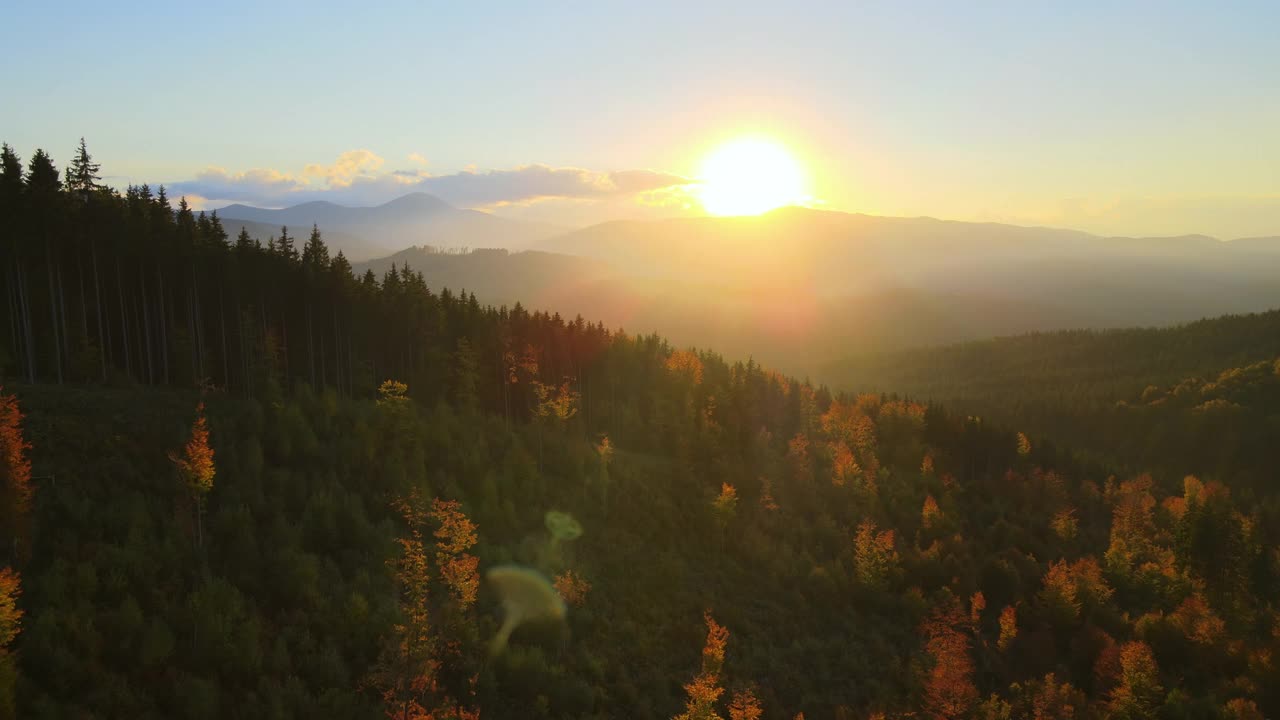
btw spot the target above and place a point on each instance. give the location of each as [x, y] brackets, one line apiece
[748, 176]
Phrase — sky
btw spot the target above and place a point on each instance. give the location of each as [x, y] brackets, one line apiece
[1124, 118]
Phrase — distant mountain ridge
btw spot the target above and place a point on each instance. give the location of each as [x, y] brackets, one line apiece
[801, 289]
[363, 233]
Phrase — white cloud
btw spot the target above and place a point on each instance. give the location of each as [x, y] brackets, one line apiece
[350, 166]
[357, 178]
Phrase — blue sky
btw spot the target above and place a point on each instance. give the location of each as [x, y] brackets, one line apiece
[1134, 118]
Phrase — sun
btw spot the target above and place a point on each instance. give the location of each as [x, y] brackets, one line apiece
[749, 176]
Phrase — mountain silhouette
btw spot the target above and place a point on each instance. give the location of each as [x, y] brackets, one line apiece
[800, 288]
[367, 232]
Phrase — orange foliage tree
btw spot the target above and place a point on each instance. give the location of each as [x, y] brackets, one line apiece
[930, 513]
[1068, 588]
[1133, 528]
[1050, 699]
[745, 705]
[977, 604]
[1064, 524]
[1024, 444]
[195, 467]
[573, 588]
[1139, 692]
[408, 673]
[705, 688]
[874, 555]
[1008, 627]
[10, 625]
[1198, 621]
[726, 503]
[844, 467]
[949, 691]
[687, 364]
[15, 472]
[455, 535]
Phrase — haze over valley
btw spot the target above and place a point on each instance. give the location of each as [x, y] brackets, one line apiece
[798, 288]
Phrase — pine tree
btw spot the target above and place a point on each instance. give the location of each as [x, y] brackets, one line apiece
[12, 254]
[82, 175]
[284, 246]
[44, 192]
[315, 254]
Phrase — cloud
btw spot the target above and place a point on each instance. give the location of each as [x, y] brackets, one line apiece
[258, 184]
[357, 178]
[350, 166]
[418, 158]
[534, 182]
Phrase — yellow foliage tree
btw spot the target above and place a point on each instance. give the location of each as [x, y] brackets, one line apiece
[1008, 627]
[687, 364]
[1024, 444]
[726, 503]
[874, 554]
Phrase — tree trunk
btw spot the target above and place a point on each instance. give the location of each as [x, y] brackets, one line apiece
[97, 296]
[198, 321]
[337, 351]
[62, 317]
[140, 323]
[350, 371]
[124, 321]
[311, 347]
[191, 334]
[146, 329]
[53, 312]
[222, 322]
[12, 294]
[164, 325]
[25, 301]
[84, 298]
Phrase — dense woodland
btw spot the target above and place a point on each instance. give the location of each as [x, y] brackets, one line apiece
[1199, 398]
[238, 481]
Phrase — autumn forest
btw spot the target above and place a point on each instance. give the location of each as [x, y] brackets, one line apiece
[239, 480]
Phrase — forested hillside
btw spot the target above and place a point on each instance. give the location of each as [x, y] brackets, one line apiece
[240, 482]
[1199, 398]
